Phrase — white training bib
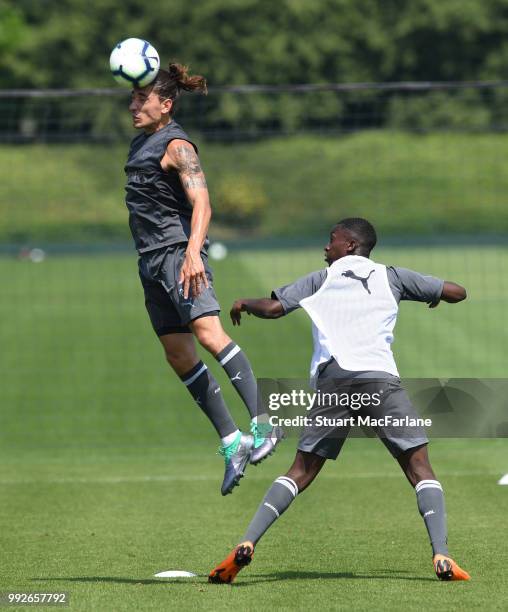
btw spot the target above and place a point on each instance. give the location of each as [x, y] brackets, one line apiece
[355, 313]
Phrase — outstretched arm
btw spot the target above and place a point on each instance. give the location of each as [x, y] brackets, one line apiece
[283, 300]
[264, 308]
[452, 293]
[410, 285]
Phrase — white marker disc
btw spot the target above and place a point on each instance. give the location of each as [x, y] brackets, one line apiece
[175, 574]
[504, 480]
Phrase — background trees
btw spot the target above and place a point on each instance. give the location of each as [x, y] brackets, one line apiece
[65, 43]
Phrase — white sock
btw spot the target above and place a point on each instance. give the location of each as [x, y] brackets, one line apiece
[261, 419]
[227, 440]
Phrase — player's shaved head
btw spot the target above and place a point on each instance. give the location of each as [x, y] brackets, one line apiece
[362, 231]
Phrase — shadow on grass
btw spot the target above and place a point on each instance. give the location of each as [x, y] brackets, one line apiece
[383, 574]
[253, 579]
[118, 580]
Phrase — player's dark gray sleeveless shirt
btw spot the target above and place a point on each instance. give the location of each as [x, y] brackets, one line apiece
[159, 212]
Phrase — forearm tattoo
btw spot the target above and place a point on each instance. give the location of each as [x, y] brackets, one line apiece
[189, 168]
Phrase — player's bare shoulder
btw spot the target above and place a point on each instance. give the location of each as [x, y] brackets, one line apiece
[181, 156]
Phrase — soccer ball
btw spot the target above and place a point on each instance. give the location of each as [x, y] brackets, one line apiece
[134, 62]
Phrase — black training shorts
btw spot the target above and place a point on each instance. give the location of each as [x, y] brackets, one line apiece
[384, 399]
[169, 311]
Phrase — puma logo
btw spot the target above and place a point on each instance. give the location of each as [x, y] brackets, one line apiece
[216, 390]
[351, 274]
[429, 513]
[185, 302]
[236, 377]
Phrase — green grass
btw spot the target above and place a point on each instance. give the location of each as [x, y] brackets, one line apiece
[100, 524]
[403, 183]
[108, 472]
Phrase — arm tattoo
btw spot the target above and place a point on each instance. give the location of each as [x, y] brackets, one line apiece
[189, 168]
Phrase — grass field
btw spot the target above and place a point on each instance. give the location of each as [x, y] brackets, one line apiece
[404, 183]
[108, 472]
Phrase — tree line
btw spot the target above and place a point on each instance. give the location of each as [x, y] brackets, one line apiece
[66, 44]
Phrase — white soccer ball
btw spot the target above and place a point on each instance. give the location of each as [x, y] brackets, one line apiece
[134, 62]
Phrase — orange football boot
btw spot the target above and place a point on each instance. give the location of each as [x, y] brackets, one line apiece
[238, 558]
[447, 569]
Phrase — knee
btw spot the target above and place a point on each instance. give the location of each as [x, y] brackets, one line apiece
[419, 468]
[301, 477]
[175, 360]
[207, 340]
[180, 360]
[211, 340]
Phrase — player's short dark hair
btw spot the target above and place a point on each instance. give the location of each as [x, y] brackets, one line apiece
[362, 230]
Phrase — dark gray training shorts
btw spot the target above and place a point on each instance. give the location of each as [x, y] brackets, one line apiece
[331, 424]
[169, 311]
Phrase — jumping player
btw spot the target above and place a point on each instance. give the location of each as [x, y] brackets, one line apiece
[169, 214]
[353, 306]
